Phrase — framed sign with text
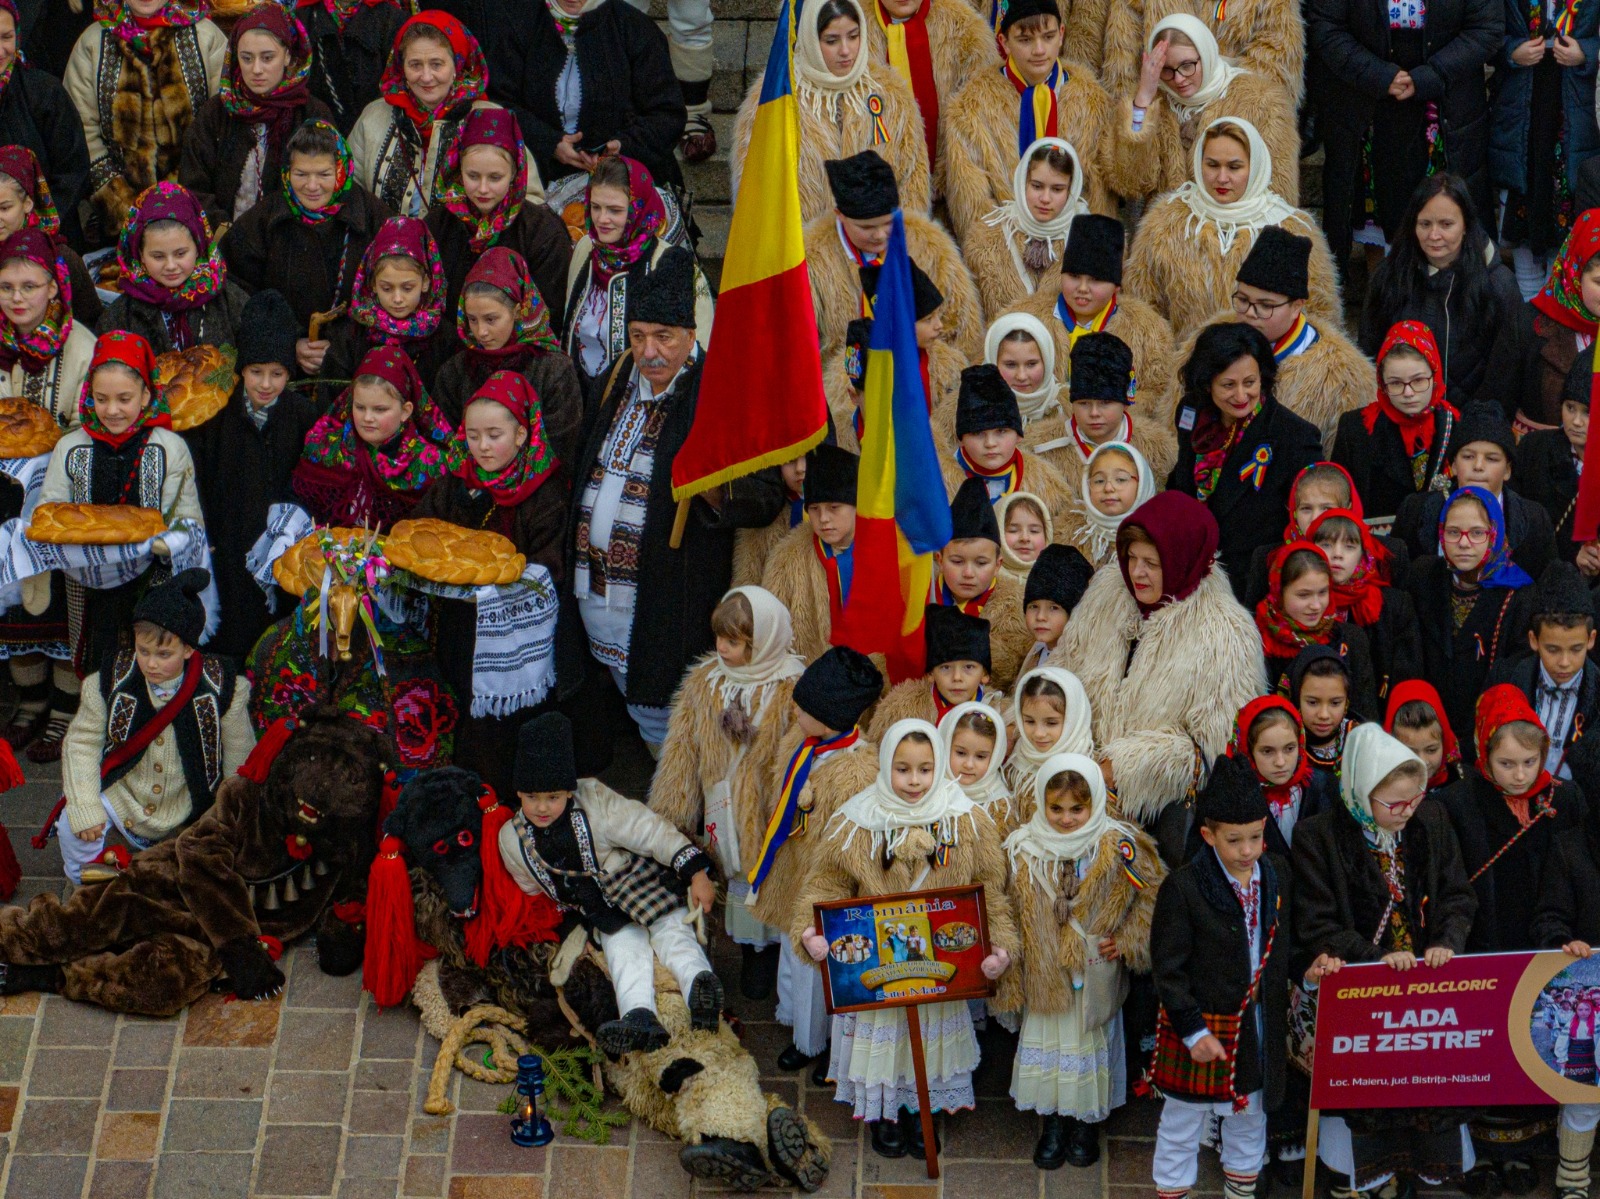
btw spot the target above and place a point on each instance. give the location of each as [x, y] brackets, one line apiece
[898, 950]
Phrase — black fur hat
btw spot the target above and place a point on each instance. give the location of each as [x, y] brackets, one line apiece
[857, 341]
[666, 295]
[838, 687]
[925, 294]
[831, 476]
[1561, 591]
[1060, 574]
[1279, 262]
[1233, 794]
[1094, 248]
[1102, 368]
[863, 186]
[972, 513]
[950, 635]
[1580, 377]
[1484, 422]
[175, 605]
[267, 331]
[1021, 10]
[986, 401]
[545, 761]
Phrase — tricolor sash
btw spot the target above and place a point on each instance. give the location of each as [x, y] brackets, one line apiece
[911, 58]
[839, 568]
[1009, 476]
[943, 596]
[1037, 114]
[1302, 335]
[789, 818]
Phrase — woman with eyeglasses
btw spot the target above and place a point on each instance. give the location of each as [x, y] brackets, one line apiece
[1379, 878]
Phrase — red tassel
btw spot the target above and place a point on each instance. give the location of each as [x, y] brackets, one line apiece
[266, 751]
[388, 799]
[10, 772]
[297, 847]
[506, 914]
[394, 955]
[272, 945]
[42, 838]
[10, 868]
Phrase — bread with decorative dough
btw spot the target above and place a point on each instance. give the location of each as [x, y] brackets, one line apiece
[445, 553]
[26, 430]
[198, 382]
[94, 524]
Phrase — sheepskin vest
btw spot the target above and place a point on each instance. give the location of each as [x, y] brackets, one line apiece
[144, 105]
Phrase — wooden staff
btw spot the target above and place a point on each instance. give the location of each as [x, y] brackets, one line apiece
[1308, 1184]
[919, 1066]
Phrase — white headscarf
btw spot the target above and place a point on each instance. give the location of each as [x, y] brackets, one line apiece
[1076, 736]
[1042, 844]
[1102, 526]
[1216, 72]
[1258, 207]
[1017, 221]
[1009, 562]
[1369, 755]
[820, 87]
[771, 656]
[991, 788]
[888, 818]
[1034, 405]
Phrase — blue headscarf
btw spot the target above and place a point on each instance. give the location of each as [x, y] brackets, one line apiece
[1498, 570]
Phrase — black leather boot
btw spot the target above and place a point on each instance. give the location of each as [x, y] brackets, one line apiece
[886, 1140]
[1051, 1151]
[1083, 1143]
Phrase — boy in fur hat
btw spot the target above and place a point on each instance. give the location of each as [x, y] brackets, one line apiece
[822, 761]
[155, 733]
[956, 649]
[588, 849]
[1100, 406]
[968, 577]
[811, 568]
[1056, 583]
[989, 445]
[996, 116]
[856, 234]
[752, 547]
[1090, 300]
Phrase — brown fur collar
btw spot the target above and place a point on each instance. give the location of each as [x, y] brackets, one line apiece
[150, 110]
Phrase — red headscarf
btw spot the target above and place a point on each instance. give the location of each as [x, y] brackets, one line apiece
[472, 71]
[1415, 431]
[1561, 299]
[1280, 796]
[132, 351]
[1281, 635]
[1415, 690]
[1499, 706]
[1362, 596]
[1292, 530]
[279, 109]
[1185, 536]
[532, 464]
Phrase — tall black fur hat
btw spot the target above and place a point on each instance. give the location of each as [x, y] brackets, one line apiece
[666, 295]
[857, 341]
[1094, 248]
[1484, 422]
[950, 635]
[925, 294]
[1279, 262]
[1233, 794]
[267, 331]
[1060, 574]
[1021, 10]
[831, 476]
[1561, 591]
[175, 605]
[972, 513]
[545, 760]
[986, 401]
[1102, 368]
[838, 687]
[1580, 377]
[863, 186]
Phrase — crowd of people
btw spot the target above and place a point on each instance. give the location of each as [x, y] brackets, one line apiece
[1261, 643]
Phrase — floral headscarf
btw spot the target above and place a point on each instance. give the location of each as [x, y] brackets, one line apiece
[170, 202]
[1561, 299]
[1415, 690]
[1362, 595]
[472, 71]
[36, 350]
[278, 110]
[343, 181]
[1497, 570]
[407, 236]
[1281, 635]
[134, 352]
[647, 217]
[495, 127]
[506, 271]
[134, 31]
[1500, 705]
[414, 458]
[10, 6]
[1279, 796]
[342, 10]
[1415, 431]
[533, 463]
[19, 163]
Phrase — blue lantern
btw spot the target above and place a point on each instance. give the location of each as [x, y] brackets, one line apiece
[529, 1126]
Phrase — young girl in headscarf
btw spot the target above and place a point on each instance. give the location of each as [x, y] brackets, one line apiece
[1270, 738]
[1116, 481]
[1564, 324]
[975, 743]
[1025, 529]
[175, 289]
[912, 829]
[137, 76]
[1361, 595]
[233, 154]
[1298, 611]
[1379, 878]
[1316, 489]
[504, 325]
[351, 43]
[1319, 686]
[1015, 250]
[370, 459]
[1083, 890]
[436, 75]
[1022, 348]
[397, 300]
[1049, 715]
[488, 195]
[728, 719]
[27, 202]
[1415, 717]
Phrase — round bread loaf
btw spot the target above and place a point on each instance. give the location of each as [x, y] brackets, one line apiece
[26, 430]
[445, 553]
[198, 382]
[94, 524]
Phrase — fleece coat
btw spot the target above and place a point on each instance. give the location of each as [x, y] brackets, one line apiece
[987, 251]
[823, 138]
[1009, 637]
[913, 700]
[1038, 476]
[794, 574]
[1264, 36]
[753, 547]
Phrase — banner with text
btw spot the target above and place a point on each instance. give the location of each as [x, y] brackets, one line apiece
[896, 950]
[1482, 1031]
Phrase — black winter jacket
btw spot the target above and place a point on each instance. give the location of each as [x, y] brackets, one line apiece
[347, 63]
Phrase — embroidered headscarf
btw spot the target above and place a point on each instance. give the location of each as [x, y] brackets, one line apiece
[343, 180]
[1497, 570]
[1415, 431]
[1216, 72]
[1281, 635]
[1362, 594]
[1100, 528]
[819, 88]
[132, 351]
[1040, 842]
[647, 217]
[1258, 207]
[341, 10]
[1185, 535]
[496, 127]
[772, 656]
[1415, 690]
[1370, 756]
[1044, 240]
[887, 819]
[472, 71]
[134, 31]
[1076, 736]
[35, 350]
[170, 202]
[1561, 298]
[1033, 405]
[10, 6]
[1500, 705]
[20, 164]
[1279, 795]
[279, 109]
[409, 238]
[534, 460]
[505, 270]
[413, 458]
[989, 789]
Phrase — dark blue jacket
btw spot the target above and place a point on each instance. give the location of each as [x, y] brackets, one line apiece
[1508, 128]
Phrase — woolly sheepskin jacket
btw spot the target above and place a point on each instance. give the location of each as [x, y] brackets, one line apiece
[794, 574]
[1001, 286]
[1041, 478]
[753, 547]
[1009, 638]
[1264, 36]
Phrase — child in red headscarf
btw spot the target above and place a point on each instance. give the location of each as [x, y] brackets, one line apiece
[1564, 324]
[1361, 594]
[1415, 717]
[1269, 736]
[1298, 612]
[397, 299]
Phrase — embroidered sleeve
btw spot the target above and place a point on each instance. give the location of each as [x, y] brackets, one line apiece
[688, 862]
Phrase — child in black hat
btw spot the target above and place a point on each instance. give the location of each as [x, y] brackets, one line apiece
[1055, 585]
[155, 733]
[811, 569]
[589, 849]
[989, 444]
[967, 576]
[957, 659]
[243, 458]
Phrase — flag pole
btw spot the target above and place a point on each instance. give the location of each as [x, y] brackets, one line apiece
[679, 520]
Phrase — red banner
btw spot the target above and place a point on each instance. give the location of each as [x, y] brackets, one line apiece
[1482, 1031]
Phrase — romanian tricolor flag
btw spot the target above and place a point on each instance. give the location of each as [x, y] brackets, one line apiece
[761, 400]
[902, 515]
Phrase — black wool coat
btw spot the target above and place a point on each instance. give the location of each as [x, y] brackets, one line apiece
[215, 323]
[672, 621]
[538, 234]
[36, 112]
[347, 64]
[1508, 891]
[215, 149]
[1569, 893]
[1200, 958]
[1547, 476]
[1528, 532]
[1582, 746]
[1251, 516]
[1379, 465]
[552, 376]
